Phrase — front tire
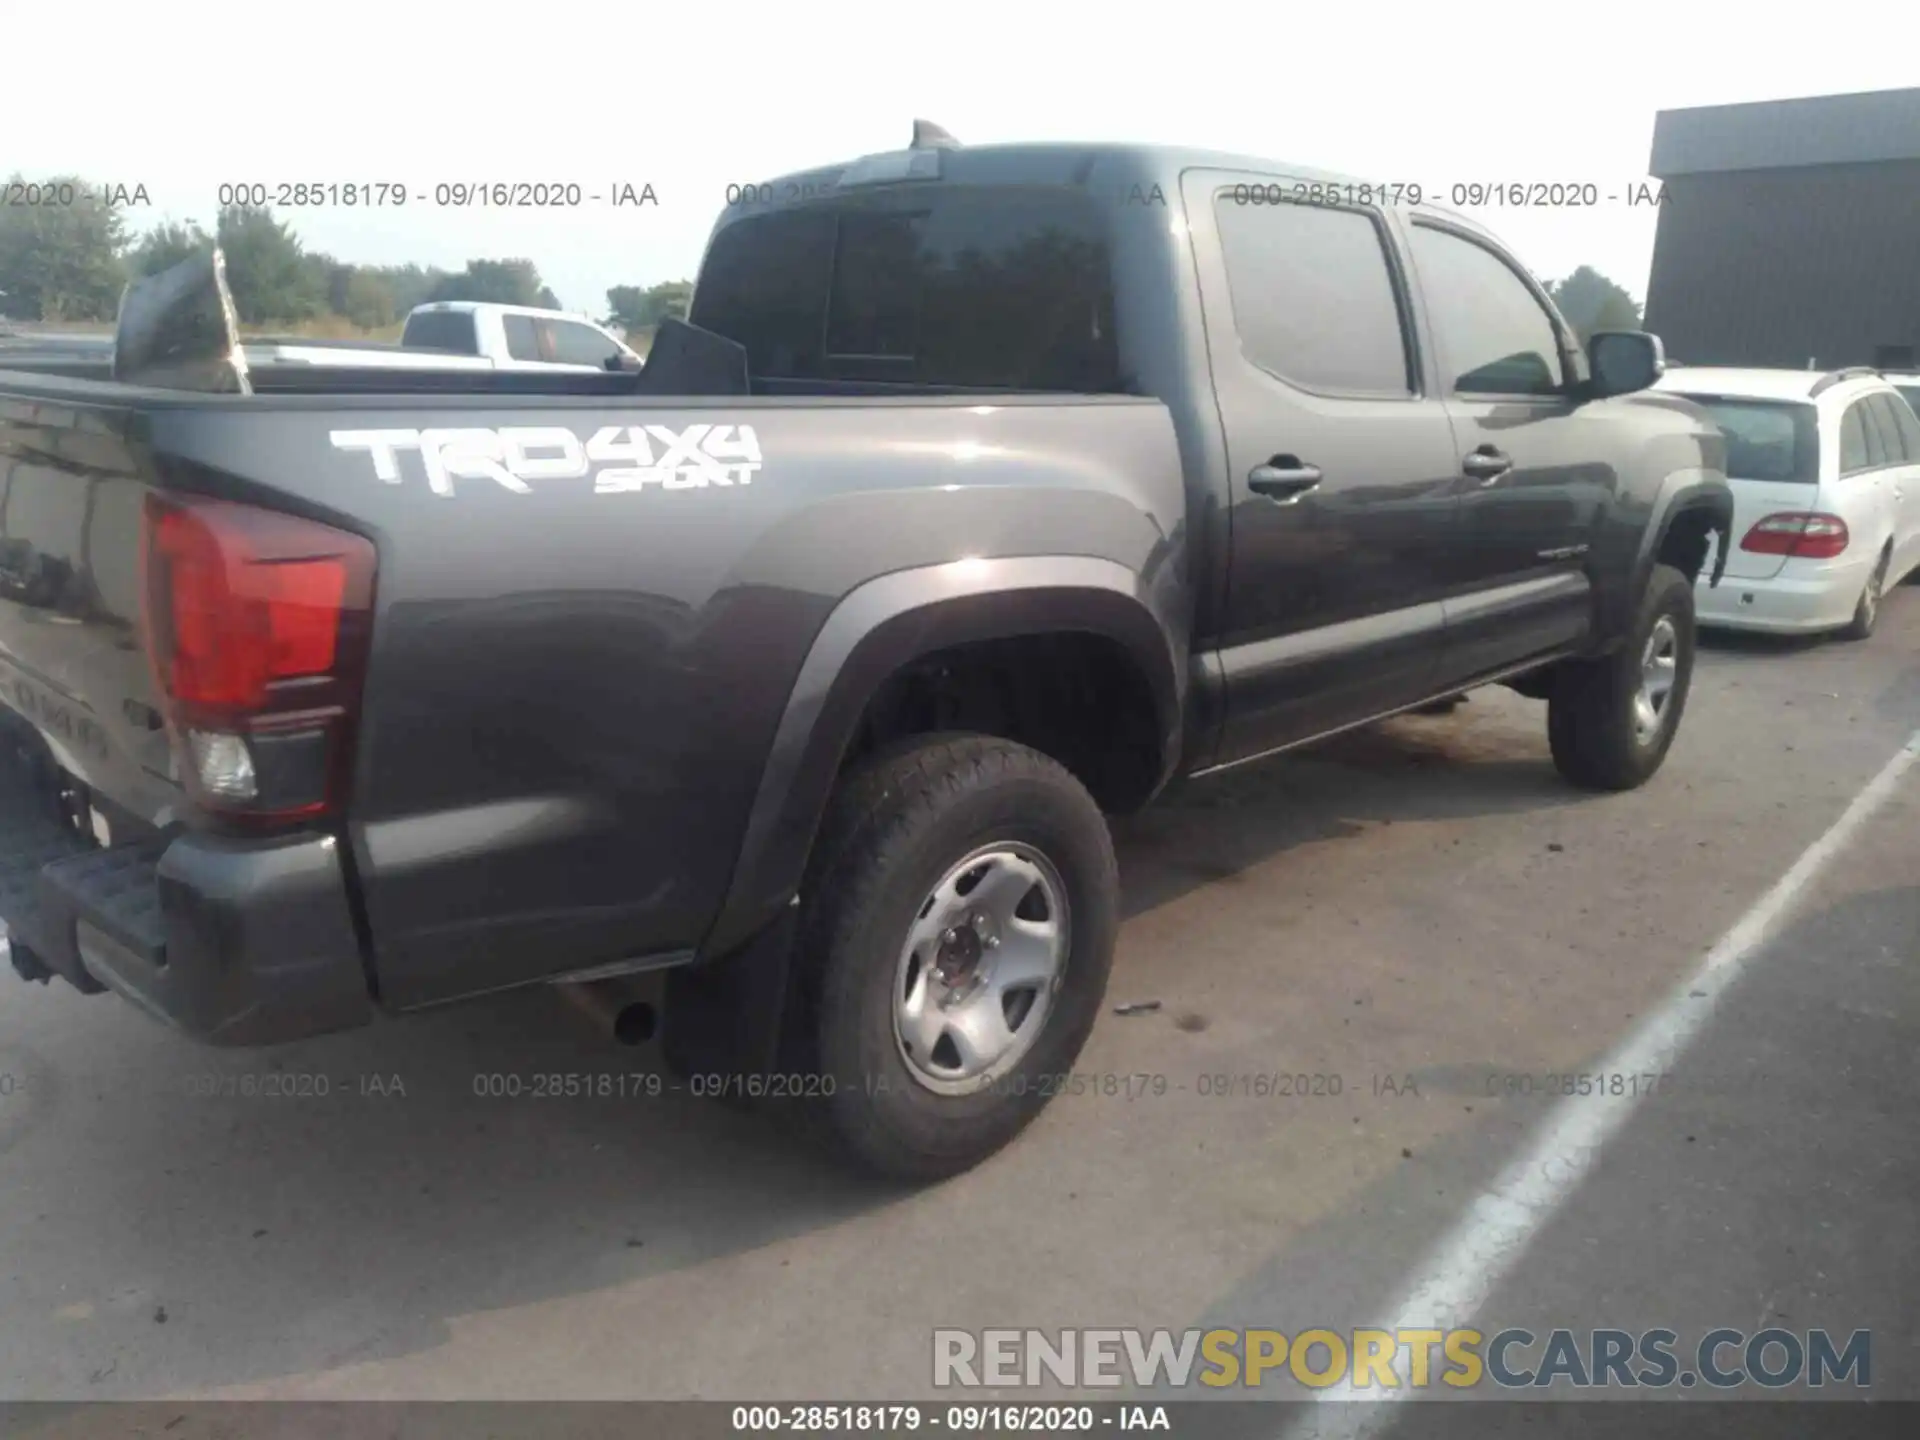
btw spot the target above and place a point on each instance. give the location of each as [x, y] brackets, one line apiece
[1612, 720]
[957, 934]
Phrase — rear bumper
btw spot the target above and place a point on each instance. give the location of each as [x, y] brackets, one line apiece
[232, 942]
[1801, 599]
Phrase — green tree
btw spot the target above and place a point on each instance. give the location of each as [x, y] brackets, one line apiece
[61, 261]
[503, 282]
[271, 278]
[166, 245]
[635, 309]
[1591, 302]
[368, 301]
[410, 285]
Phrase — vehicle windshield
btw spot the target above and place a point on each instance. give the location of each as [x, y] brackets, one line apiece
[964, 287]
[1911, 394]
[1766, 439]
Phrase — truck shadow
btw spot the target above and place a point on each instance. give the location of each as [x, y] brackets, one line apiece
[501, 1154]
[1488, 757]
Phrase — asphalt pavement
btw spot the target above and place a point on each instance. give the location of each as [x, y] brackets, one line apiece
[1420, 919]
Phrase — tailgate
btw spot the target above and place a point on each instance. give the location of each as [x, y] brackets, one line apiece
[1773, 464]
[71, 660]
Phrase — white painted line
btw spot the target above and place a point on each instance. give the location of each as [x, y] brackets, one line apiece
[1482, 1249]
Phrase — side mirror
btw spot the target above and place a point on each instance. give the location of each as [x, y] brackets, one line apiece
[1622, 361]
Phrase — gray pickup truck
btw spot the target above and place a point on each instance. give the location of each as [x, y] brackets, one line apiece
[986, 490]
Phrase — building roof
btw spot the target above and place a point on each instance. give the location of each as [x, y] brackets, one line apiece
[1818, 130]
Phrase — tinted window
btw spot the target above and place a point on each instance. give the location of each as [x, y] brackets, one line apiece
[523, 341]
[1766, 440]
[576, 344]
[974, 287]
[1853, 440]
[1912, 396]
[1909, 422]
[874, 312]
[1495, 338]
[1313, 297]
[1883, 413]
[440, 330]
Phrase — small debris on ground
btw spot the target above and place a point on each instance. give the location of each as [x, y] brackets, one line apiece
[1137, 1007]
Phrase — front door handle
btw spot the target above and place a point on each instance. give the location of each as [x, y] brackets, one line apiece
[1284, 479]
[1487, 464]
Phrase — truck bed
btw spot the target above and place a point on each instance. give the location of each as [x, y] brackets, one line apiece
[574, 680]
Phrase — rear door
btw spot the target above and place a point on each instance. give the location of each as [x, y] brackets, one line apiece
[1773, 467]
[1341, 462]
[1863, 492]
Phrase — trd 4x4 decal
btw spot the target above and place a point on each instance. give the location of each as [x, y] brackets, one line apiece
[620, 458]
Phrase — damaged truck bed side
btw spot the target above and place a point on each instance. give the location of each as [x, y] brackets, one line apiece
[985, 491]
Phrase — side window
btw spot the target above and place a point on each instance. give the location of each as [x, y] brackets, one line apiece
[1853, 440]
[1909, 425]
[575, 344]
[1882, 410]
[1876, 442]
[1314, 301]
[523, 341]
[1495, 337]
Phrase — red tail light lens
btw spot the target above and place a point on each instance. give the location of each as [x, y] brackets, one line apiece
[257, 627]
[1803, 534]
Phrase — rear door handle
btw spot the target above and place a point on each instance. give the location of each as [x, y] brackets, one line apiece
[1284, 479]
[1486, 465]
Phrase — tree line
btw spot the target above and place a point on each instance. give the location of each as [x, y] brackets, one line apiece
[71, 262]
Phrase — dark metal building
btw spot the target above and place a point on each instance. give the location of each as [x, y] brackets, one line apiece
[1790, 232]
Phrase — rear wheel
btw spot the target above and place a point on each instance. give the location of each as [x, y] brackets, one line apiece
[1612, 720]
[1866, 614]
[955, 947]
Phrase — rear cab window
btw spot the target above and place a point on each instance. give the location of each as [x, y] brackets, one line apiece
[450, 330]
[577, 344]
[523, 340]
[1315, 301]
[949, 286]
[1774, 440]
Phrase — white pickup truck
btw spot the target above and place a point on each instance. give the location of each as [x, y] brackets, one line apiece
[454, 334]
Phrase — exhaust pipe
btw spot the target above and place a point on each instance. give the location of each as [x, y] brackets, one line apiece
[614, 1009]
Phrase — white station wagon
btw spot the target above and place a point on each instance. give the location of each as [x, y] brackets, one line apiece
[1826, 493]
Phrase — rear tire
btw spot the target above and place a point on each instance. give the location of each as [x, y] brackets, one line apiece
[1612, 720]
[891, 914]
[1866, 614]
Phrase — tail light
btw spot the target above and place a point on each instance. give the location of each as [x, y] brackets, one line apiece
[257, 626]
[1802, 534]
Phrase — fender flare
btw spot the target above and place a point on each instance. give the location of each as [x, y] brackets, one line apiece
[887, 623]
[1682, 492]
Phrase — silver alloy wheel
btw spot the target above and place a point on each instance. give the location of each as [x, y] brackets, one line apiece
[1659, 668]
[981, 967]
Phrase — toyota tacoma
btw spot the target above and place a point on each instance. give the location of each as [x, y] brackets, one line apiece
[984, 492]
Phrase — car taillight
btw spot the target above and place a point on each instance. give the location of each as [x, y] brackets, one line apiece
[256, 625]
[1803, 534]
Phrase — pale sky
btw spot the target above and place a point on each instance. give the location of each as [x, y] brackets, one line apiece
[691, 98]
